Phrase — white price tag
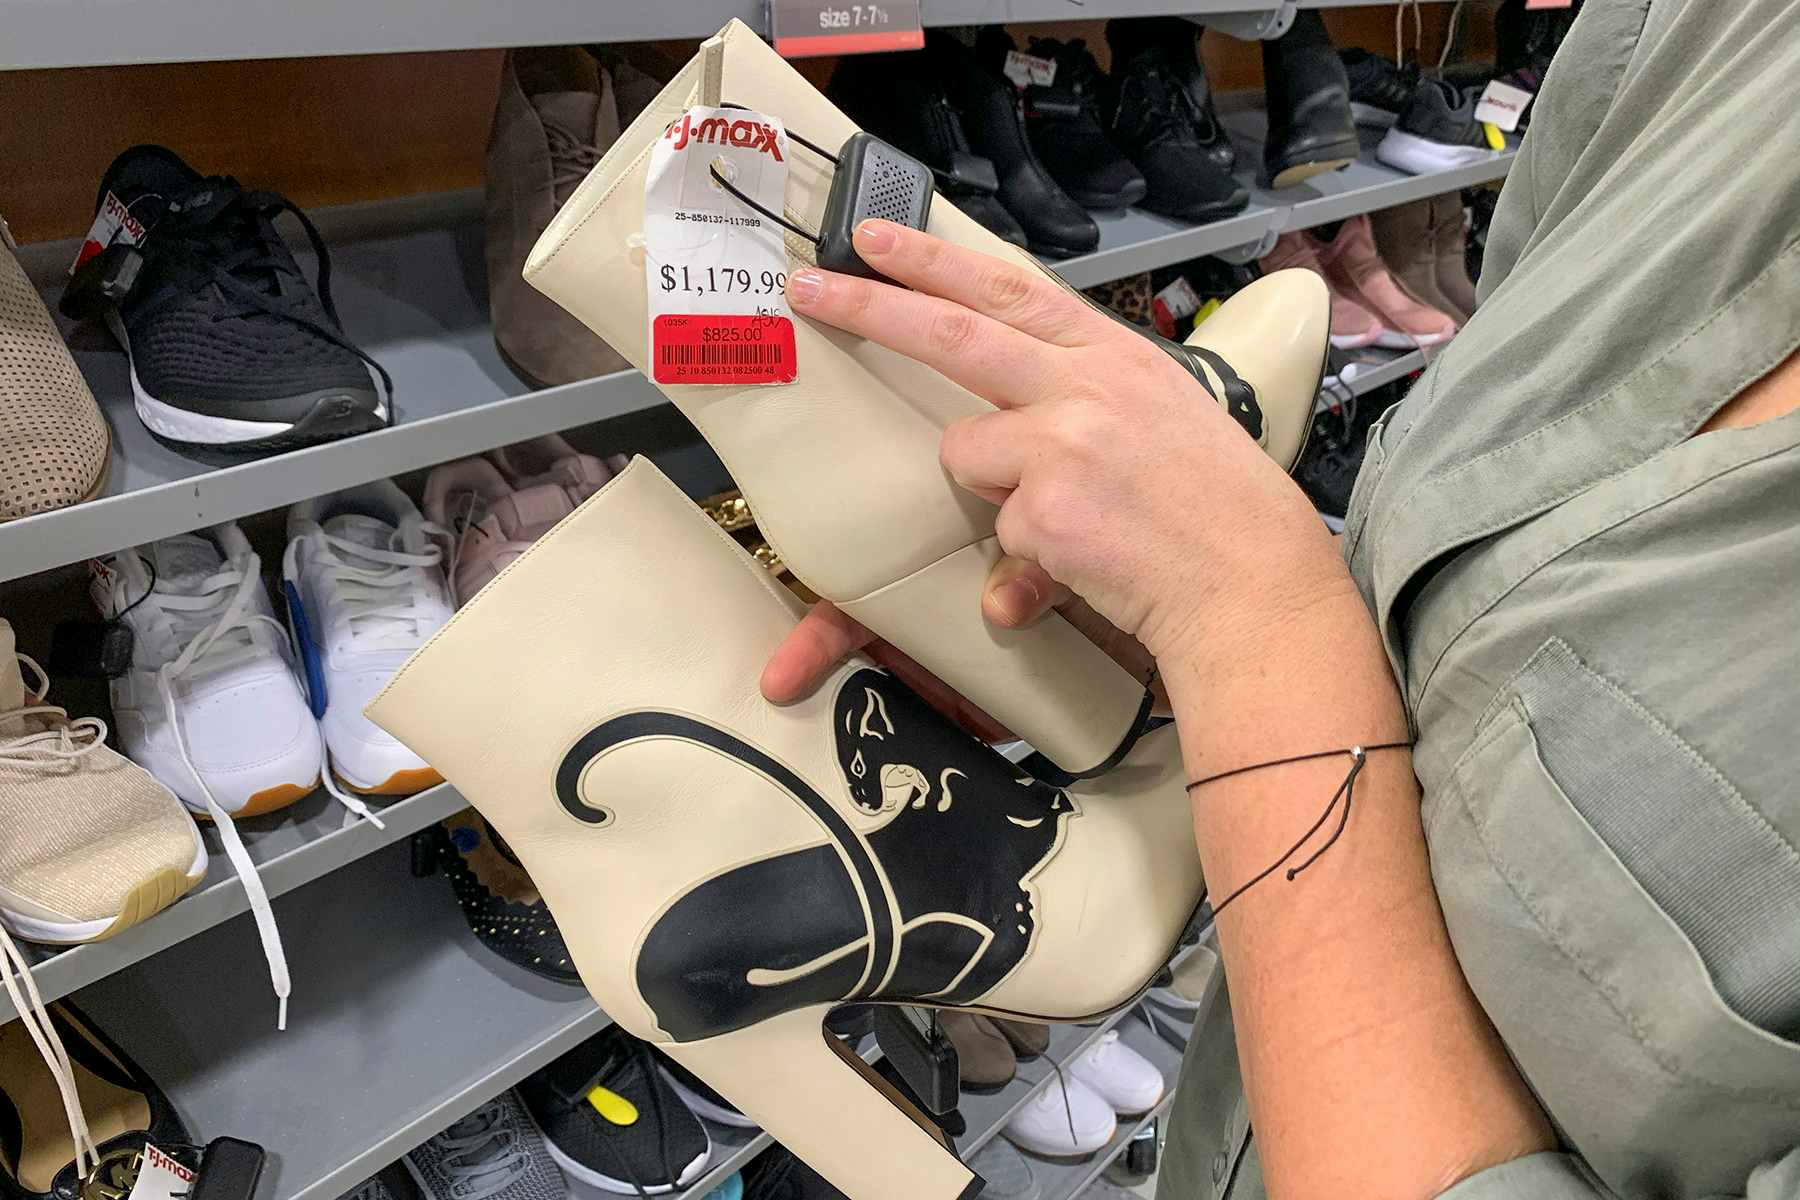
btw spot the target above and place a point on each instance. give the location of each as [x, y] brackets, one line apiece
[113, 223]
[1026, 69]
[715, 268]
[1502, 105]
[160, 1177]
[1179, 298]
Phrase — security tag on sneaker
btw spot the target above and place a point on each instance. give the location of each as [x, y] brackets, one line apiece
[230, 1169]
[1026, 69]
[113, 225]
[1502, 104]
[90, 649]
[716, 269]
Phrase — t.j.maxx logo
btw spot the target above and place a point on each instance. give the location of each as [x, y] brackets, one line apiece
[722, 132]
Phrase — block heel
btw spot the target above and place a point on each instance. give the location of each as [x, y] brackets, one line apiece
[816, 1097]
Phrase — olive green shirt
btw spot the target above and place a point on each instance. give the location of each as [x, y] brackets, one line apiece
[1594, 616]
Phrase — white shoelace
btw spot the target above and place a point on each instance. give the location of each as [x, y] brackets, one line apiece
[368, 595]
[34, 1014]
[220, 615]
[50, 748]
[66, 741]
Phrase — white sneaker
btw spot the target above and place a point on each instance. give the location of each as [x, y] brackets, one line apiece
[1125, 1079]
[1066, 1119]
[211, 705]
[364, 591]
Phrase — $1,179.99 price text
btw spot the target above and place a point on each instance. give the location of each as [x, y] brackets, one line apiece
[706, 281]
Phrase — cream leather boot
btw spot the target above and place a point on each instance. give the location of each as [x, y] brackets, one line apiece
[724, 870]
[841, 466]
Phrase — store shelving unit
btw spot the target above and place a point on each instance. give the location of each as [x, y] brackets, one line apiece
[400, 1023]
[1063, 1180]
[80, 33]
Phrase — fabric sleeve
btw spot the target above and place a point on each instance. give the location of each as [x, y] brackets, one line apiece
[1560, 1177]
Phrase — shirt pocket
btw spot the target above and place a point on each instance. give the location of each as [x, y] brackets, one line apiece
[1632, 926]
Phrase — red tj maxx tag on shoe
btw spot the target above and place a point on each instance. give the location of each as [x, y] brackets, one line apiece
[1174, 302]
[113, 223]
[1501, 105]
[714, 267]
[1026, 69]
[160, 1177]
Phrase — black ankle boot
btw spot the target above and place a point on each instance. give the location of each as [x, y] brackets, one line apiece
[1062, 119]
[1310, 127]
[900, 99]
[994, 117]
[1155, 120]
[1179, 41]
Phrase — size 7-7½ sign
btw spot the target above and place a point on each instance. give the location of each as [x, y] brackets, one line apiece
[808, 28]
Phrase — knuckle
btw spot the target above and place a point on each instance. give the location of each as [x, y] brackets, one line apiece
[856, 296]
[1007, 290]
[952, 332]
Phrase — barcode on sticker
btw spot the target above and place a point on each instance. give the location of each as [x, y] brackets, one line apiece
[723, 348]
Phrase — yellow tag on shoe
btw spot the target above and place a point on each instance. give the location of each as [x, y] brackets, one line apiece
[1495, 139]
[615, 1108]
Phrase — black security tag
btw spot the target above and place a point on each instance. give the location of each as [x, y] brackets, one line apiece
[970, 173]
[1059, 103]
[102, 282]
[90, 649]
[1139, 1160]
[229, 1170]
[873, 180]
[922, 1054]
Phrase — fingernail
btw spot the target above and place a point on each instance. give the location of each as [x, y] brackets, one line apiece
[1015, 601]
[876, 237]
[805, 286]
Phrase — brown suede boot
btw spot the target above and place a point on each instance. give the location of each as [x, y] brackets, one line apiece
[1408, 244]
[556, 115]
[1452, 265]
[982, 1051]
[1028, 1040]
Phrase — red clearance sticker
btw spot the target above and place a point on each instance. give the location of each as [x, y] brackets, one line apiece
[728, 348]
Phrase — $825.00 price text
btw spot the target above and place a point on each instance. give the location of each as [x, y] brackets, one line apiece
[738, 280]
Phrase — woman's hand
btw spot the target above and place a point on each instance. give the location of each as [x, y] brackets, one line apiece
[1115, 472]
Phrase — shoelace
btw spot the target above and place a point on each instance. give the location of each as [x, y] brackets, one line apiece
[220, 616]
[639, 1053]
[217, 233]
[366, 594]
[480, 1152]
[571, 158]
[1400, 11]
[34, 1014]
[63, 743]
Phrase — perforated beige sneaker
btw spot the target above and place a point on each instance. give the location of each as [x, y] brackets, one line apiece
[93, 844]
[53, 440]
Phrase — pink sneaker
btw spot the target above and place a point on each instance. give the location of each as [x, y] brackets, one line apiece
[1352, 325]
[1354, 268]
[492, 518]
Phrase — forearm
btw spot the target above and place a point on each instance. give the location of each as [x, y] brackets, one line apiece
[1369, 1067]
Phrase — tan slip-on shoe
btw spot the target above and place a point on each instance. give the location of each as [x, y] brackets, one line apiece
[842, 467]
[1449, 237]
[53, 440]
[93, 843]
[1406, 236]
[726, 871]
[984, 1058]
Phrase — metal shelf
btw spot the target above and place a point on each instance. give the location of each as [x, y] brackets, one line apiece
[401, 1024]
[291, 848]
[417, 301]
[103, 33]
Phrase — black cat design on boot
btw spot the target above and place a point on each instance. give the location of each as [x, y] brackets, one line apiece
[965, 832]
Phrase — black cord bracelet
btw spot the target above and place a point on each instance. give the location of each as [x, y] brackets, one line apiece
[1359, 755]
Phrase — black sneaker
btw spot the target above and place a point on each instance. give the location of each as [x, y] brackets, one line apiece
[700, 1098]
[1327, 470]
[1308, 94]
[123, 1106]
[1437, 131]
[611, 1120]
[1378, 88]
[899, 99]
[230, 346]
[1179, 40]
[501, 903]
[1062, 118]
[1155, 120]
